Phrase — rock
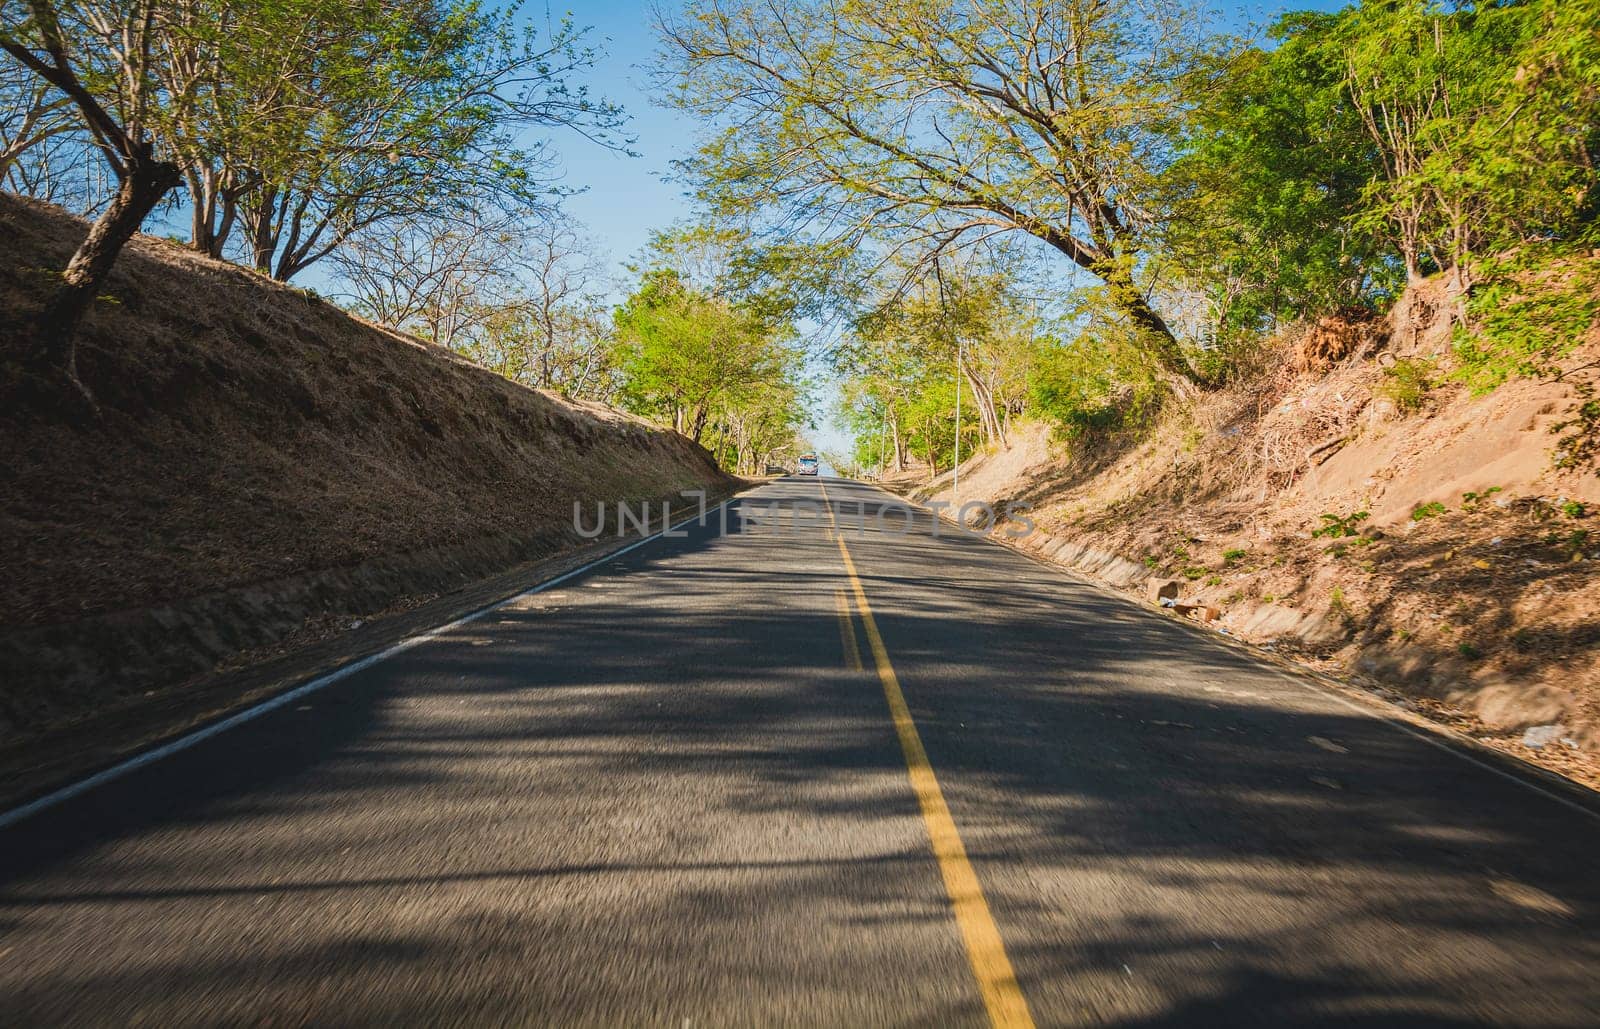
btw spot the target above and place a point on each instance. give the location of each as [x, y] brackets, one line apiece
[1540, 736]
[1157, 590]
[1503, 706]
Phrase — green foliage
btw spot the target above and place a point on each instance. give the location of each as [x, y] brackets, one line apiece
[1532, 310]
[899, 363]
[1573, 509]
[1579, 432]
[717, 372]
[1096, 385]
[1471, 498]
[1406, 383]
[1312, 173]
[1405, 136]
[1471, 110]
[1340, 526]
[891, 127]
[1432, 509]
[1265, 194]
[1230, 557]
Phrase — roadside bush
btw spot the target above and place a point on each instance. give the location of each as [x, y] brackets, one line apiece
[1090, 389]
[1531, 310]
[1432, 509]
[1407, 384]
[1340, 526]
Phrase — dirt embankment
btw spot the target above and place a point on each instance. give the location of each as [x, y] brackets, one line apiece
[1455, 570]
[266, 471]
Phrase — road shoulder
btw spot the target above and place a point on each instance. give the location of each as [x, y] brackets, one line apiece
[35, 765]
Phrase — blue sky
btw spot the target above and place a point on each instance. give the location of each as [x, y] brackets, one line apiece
[625, 198]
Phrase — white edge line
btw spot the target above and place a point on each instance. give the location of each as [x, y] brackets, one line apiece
[1440, 739]
[182, 743]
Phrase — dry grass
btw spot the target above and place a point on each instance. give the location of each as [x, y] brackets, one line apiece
[1483, 615]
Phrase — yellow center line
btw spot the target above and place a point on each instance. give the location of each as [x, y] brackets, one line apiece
[847, 631]
[986, 952]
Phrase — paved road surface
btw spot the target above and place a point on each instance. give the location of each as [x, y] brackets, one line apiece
[675, 792]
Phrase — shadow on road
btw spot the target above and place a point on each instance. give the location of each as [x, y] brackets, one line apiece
[1168, 831]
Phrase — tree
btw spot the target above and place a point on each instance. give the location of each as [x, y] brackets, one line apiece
[559, 321]
[1270, 178]
[682, 352]
[932, 125]
[551, 331]
[32, 112]
[99, 54]
[964, 320]
[436, 278]
[414, 110]
[1484, 117]
[245, 69]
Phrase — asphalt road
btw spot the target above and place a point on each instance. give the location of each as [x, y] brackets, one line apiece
[723, 780]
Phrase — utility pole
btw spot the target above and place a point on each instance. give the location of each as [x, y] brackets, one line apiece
[883, 441]
[955, 478]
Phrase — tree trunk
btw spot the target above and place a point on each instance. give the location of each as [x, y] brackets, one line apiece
[1162, 344]
[141, 188]
[988, 417]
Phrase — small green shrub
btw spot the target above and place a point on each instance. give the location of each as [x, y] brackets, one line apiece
[1471, 498]
[1407, 383]
[1579, 445]
[1214, 580]
[1572, 545]
[1432, 509]
[1097, 386]
[1340, 526]
[1192, 572]
[1468, 651]
[1230, 556]
[1573, 509]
